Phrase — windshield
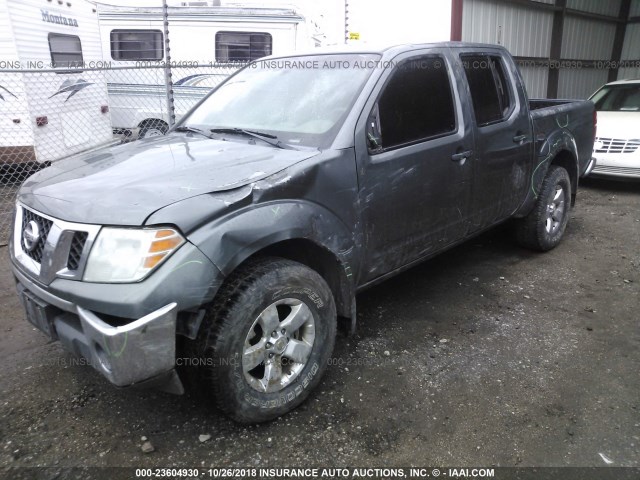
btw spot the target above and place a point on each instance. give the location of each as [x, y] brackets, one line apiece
[618, 98]
[301, 100]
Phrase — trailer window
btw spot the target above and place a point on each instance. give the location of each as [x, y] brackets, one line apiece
[490, 93]
[66, 51]
[136, 45]
[416, 103]
[242, 46]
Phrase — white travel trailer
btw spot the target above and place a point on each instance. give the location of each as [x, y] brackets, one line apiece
[51, 103]
[207, 43]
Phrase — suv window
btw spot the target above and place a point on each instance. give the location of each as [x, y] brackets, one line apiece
[136, 45]
[66, 50]
[617, 98]
[242, 46]
[416, 104]
[489, 88]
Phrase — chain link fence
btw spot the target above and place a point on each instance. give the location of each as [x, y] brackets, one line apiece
[48, 115]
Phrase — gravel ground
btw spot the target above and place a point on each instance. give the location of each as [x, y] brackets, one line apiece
[488, 355]
[7, 206]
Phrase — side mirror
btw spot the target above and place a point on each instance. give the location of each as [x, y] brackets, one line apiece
[374, 143]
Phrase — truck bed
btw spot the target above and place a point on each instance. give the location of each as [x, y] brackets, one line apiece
[572, 115]
[538, 103]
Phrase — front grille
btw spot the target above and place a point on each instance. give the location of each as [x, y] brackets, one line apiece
[617, 145]
[44, 226]
[75, 252]
[66, 244]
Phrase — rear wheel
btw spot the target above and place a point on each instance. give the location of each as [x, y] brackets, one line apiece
[544, 227]
[266, 340]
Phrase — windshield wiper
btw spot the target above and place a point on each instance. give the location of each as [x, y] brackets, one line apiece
[184, 128]
[265, 137]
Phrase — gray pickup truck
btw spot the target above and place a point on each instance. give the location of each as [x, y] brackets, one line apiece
[221, 254]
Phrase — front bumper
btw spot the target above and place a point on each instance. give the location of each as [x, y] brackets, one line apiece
[590, 166]
[625, 165]
[126, 355]
[126, 331]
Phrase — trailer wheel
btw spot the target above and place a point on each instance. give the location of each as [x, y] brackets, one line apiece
[152, 128]
[266, 339]
[544, 227]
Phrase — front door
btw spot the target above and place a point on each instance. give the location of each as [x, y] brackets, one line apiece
[414, 150]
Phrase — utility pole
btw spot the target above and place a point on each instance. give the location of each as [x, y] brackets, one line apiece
[171, 112]
[346, 21]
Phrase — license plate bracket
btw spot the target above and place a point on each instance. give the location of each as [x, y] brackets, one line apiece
[39, 313]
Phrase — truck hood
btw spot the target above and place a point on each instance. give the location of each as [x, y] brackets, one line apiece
[622, 125]
[123, 185]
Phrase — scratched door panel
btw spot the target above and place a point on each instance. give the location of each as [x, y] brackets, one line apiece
[414, 195]
[503, 138]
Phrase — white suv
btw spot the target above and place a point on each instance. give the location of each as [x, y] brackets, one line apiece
[616, 150]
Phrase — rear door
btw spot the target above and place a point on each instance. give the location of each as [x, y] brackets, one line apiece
[414, 148]
[503, 137]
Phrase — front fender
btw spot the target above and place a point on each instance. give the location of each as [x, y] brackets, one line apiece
[231, 239]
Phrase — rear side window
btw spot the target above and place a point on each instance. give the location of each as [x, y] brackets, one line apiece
[489, 88]
[66, 50]
[242, 46]
[416, 104]
[137, 45]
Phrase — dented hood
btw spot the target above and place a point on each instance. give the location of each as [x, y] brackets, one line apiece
[123, 185]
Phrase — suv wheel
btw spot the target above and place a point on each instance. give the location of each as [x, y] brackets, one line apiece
[543, 228]
[266, 340]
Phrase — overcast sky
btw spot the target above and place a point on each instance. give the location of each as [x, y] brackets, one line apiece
[376, 21]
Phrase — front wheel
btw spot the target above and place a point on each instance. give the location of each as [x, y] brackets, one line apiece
[266, 340]
[544, 227]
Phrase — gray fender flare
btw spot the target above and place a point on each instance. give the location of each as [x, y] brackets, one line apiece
[231, 239]
[556, 144]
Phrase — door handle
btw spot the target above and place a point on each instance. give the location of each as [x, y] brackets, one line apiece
[458, 157]
[519, 138]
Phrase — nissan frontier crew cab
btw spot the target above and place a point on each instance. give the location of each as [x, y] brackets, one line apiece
[231, 245]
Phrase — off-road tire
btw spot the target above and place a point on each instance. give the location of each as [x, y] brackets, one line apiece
[532, 231]
[222, 338]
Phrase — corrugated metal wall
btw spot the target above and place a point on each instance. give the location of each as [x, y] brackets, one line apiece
[526, 35]
[603, 7]
[587, 40]
[631, 48]
[535, 78]
[524, 31]
[580, 83]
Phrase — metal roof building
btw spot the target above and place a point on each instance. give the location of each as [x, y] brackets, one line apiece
[566, 48]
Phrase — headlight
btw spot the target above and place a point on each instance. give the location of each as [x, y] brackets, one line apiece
[121, 255]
